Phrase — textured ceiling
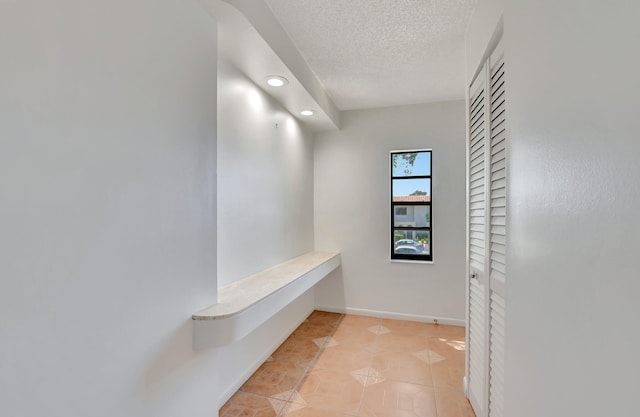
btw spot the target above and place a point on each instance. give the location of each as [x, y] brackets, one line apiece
[378, 53]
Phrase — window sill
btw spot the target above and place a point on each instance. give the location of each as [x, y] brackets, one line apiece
[410, 261]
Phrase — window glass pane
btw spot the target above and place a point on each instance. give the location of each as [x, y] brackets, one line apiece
[411, 189]
[412, 216]
[411, 163]
[411, 242]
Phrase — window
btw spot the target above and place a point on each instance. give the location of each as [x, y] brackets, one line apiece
[411, 236]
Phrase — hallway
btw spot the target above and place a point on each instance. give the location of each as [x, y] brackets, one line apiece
[337, 365]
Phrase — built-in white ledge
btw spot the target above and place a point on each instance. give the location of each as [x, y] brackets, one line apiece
[246, 304]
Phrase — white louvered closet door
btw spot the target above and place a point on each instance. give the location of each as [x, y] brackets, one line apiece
[497, 231]
[487, 205]
[477, 158]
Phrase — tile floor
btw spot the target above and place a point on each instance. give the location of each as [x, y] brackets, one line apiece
[336, 365]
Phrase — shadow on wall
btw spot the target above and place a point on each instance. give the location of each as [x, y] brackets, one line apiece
[174, 356]
[330, 292]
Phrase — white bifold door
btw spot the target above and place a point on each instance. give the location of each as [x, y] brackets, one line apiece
[487, 205]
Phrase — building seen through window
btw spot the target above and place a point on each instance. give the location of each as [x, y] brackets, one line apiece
[411, 234]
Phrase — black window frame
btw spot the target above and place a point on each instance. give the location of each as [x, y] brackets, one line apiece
[402, 256]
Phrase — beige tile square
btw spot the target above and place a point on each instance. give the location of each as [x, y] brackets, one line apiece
[331, 391]
[398, 399]
[274, 378]
[446, 375]
[393, 343]
[298, 410]
[344, 358]
[296, 350]
[404, 367]
[443, 330]
[324, 317]
[377, 329]
[452, 403]
[451, 349]
[359, 321]
[354, 336]
[244, 404]
[313, 330]
[405, 328]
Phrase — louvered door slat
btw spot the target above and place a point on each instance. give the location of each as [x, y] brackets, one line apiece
[499, 230]
[498, 201]
[497, 152]
[498, 211]
[500, 239]
[498, 165]
[501, 193]
[498, 132]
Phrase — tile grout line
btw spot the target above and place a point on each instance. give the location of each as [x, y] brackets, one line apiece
[369, 367]
[433, 381]
[309, 366]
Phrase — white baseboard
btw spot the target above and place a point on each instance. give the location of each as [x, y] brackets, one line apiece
[235, 386]
[391, 315]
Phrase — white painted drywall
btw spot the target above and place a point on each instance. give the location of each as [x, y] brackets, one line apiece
[107, 207]
[480, 29]
[265, 180]
[352, 212]
[265, 210]
[572, 279]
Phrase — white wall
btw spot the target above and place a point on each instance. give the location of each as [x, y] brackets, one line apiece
[265, 209]
[352, 212]
[107, 213]
[572, 288]
[480, 30]
[265, 180]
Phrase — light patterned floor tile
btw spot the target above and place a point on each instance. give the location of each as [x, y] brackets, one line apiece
[313, 330]
[359, 321]
[244, 404]
[332, 391]
[301, 351]
[325, 317]
[408, 344]
[273, 378]
[379, 330]
[325, 342]
[405, 328]
[354, 336]
[402, 367]
[356, 366]
[401, 399]
[428, 356]
[343, 358]
[452, 403]
[297, 410]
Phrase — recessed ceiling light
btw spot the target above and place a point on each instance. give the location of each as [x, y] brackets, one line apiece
[276, 81]
[307, 112]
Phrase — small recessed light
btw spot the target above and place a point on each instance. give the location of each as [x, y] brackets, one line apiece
[307, 112]
[276, 81]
